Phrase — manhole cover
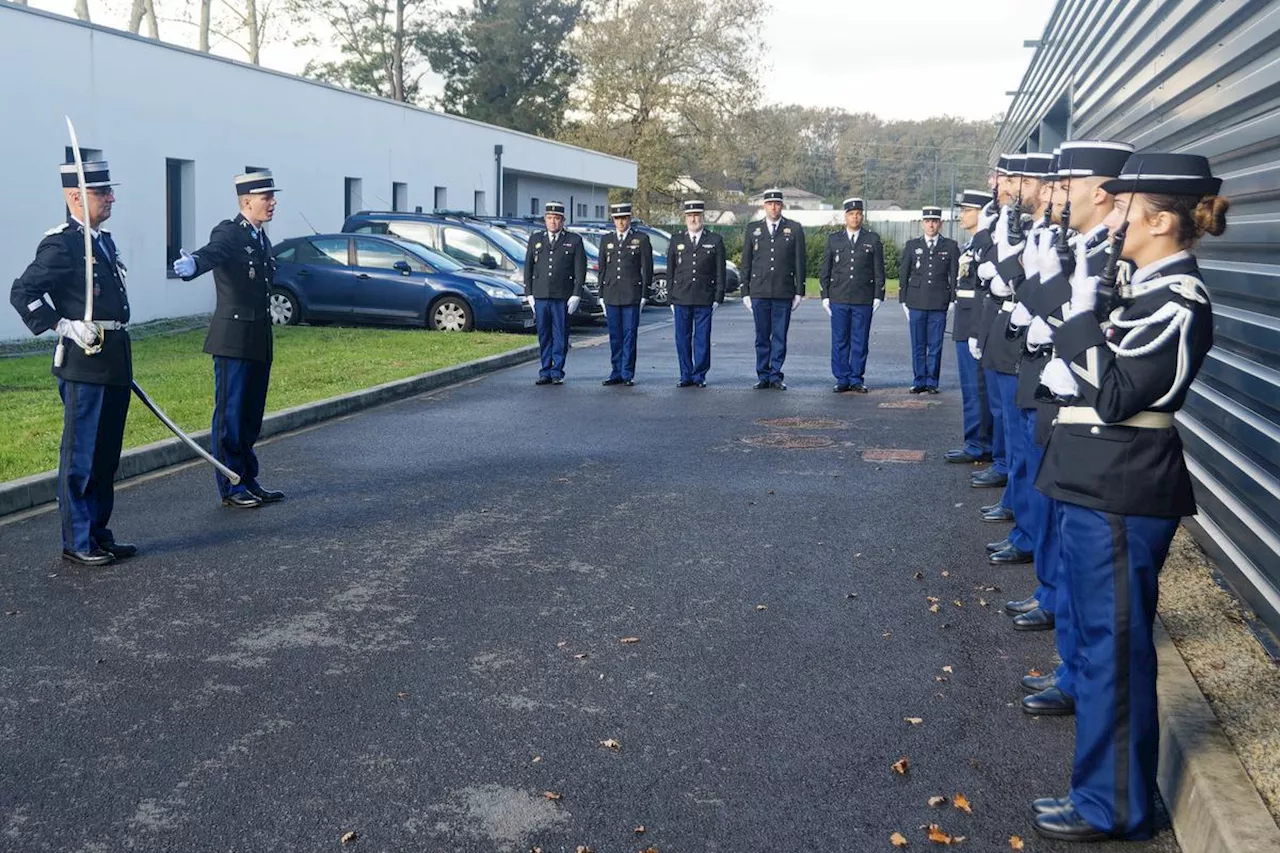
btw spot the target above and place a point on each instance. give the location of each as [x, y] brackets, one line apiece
[802, 423]
[879, 455]
[783, 441]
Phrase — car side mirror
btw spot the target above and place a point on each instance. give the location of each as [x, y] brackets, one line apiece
[489, 261]
[402, 267]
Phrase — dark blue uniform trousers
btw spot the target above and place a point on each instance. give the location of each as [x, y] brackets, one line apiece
[1065, 629]
[973, 394]
[552, 317]
[850, 338]
[1036, 518]
[239, 401]
[927, 330]
[1114, 562]
[624, 327]
[995, 408]
[773, 318]
[693, 341]
[93, 419]
[1015, 493]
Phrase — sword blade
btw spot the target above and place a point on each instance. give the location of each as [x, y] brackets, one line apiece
[84, 211]
[186, 439]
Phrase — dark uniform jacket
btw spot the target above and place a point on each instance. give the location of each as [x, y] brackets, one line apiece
[773, 267]
[1126, 469]
[57, 273]
[970, 288]
[928, 277]
[243, 272]
[555, 273]
[696, 275]
[626, 267]
[853, 273]
[1001, 352]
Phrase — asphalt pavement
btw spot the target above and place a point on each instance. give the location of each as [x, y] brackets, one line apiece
[502, 617]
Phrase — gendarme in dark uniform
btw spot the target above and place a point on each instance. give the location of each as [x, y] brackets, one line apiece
[928, 270]
[555, 272]
[696, 272]
[977, 208]
[852, 281]
[626, 271]
[773, 271]
[239, 338]
[95, 370]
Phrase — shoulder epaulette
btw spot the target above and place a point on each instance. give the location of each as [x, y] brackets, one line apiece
[57, 229]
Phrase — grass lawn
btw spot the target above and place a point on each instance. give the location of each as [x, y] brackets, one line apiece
[812, 288]
[311, 363]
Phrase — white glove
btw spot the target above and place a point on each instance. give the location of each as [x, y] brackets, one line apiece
[185, 265]
[875, 305]
[1039, 334]
[603, 307]
[746, 302]
[987, 271]
[974, 349]
[999, 288]
[714, 306]
[673, 310]
[986, 219]
[1020, 316]
[795, 301]
[531, 303]
[643, 302]
[1048, 261]
[1058, 379]
[1005, 249]
[1084, 287]
[84, 334]
[906, 312]
[826, 306]
[574, 302]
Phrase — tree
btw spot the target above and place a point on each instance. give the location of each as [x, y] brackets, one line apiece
[378, 39]
[144, 9]
[503, 62]
[660, 80]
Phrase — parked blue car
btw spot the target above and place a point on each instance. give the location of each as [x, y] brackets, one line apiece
[365, 278]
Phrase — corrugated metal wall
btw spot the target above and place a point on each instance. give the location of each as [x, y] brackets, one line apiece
[1202, 77]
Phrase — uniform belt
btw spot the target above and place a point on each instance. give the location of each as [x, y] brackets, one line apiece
[1008, 306]
[112, 325]
[1142, 420]
[966, 294]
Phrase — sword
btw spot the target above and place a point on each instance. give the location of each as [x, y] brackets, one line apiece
[60, 352]
[186, 439]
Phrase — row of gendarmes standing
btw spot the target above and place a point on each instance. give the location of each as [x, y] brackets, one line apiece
[1080, 295]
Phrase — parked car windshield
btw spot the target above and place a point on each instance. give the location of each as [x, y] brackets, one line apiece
[504, 240]
[439, 261]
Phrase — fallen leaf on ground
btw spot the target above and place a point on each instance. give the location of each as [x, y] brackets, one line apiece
[610, 743]
[961, 802]
[582, 848]
[901, 766]
[1218, 664]
[937, 836]
[552, 795]
[958, 603]
[852, 595]
[948, 669]
[946, 574]
[919, 576]
[762, 607]
[639, 830]
[581, 656]
[886, 635]
[932, 599]
[650, 850]
[897, 840]
[626, 641]
[934, 802]
[402, 695]
[1015, 842]
[982, 602]
[537, 758]
[1034, 673]
[941, 678]
[347, 838]
[562, 644]
[915, 721]
[934, 608]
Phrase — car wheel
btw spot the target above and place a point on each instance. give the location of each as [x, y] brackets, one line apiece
[661, 295]
[284, 308]
[450, 314]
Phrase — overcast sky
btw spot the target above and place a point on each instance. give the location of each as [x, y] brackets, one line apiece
[899, 59]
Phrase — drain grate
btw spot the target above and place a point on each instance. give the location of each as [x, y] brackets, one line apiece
[785, 441]
[802, 423]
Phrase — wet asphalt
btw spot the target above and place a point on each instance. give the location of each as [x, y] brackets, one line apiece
[648, 601]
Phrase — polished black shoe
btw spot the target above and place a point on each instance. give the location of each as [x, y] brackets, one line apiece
[916, 389]
[93, 557]
[762, 385]
[119, 550]
[267, 496]
[989, 508]
[778, 385]
[1037, 683]
[242, 500]
[929, 389]
[1068, 825]
[685, 383]
[1049, 703]
[701, 384]
[964, 457]
[859, 389]
[842, 388]
[988, 479]
[627, 383]
[542, 380]
[612, 380]
[1010, 556]
[1034, 620]
[999, 515]
[558, 380]
[1049, 805]
[992, 547]
[1017, 608]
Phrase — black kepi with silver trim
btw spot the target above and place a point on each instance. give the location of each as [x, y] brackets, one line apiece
[695, 206]
[96, 175]
[1165, 174]
[256, 183]
[974, 198]
[1093, 158]
[853, 204]
[931, 213]
[620, 209]
[555, 207]
[773, 195]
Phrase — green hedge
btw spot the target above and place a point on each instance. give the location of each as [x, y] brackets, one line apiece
[815, 243]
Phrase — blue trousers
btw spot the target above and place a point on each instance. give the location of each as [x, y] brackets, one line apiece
[999, 450]
[239, 401]
[850, 336]
[552, 317]
[624, 328]
[1037, 517]
[1016, 458]
[973, 393]
[693, 341]
[773, 318]
[1065, 629]
[1114, 562]
[927, 330]
[93, 419]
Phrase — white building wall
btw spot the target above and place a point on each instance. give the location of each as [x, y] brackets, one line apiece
[141, 102]
[530, 187]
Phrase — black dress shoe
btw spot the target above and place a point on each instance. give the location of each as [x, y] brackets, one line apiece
[267, 496]
[242, 500]
[989, 508]
[119, 550]
[999, 515]
[1017, 608]
[1049, 703]
[612, 380]
[685, 383]
[859, 389]
[778, 385]
[916, 389]
[627, 383]
[988, 479]
[762, 385]
[701, 384]
[1034, 620]
[964, 457]
[1038, 683]
[1049, 805]
[929, 389]
[992, 547]
[542, 380]
[92, 557]
[1010, 556]
[1068, 825]
[558, 380]
[842, 388]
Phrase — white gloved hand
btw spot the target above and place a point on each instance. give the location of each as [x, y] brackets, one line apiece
[603, 307]
[673, 310]
[826, 306]
[1084, 287]
[999, 288]
[574, 302]
[985, 220]
[643, 302]
[1039, 334]
[746, 302]
[795, 301]
[84, 334]
[875, 305]
[906, 312]
[1058, 379]
[531, 303]
[1020, 316]
[987, 271]
[185, 265]
[1004, 248]
[974, 349]
[714, 306]
[1047, 261]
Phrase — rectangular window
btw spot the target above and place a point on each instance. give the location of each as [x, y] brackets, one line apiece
[353, 196]
[399, 196]
[179, 197]
[599, 211]
[442, 198]
[480, 208]
[535, 207]
[582, 210]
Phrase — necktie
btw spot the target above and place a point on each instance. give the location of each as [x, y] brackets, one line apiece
[930, 245]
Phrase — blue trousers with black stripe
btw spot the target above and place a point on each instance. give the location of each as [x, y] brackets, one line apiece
[1064, 626]
[1036, 516]
[1006, 388]
[552, 317]
[93, 419]
[973, 392]
[995, 407]
[239, 401]
[693, 341]
[1114, 562]
[624, 328]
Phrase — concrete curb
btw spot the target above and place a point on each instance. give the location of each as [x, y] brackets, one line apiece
[1214, 805]
[37, 489]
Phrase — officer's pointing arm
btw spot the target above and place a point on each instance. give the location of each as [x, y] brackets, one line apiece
[51, 265]
[220, 248]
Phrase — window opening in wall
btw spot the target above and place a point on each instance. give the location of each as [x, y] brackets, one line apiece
[442, 198]
[535, 207]
[480, 207]
[353, 196]
[179, 196]
[399, 196]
